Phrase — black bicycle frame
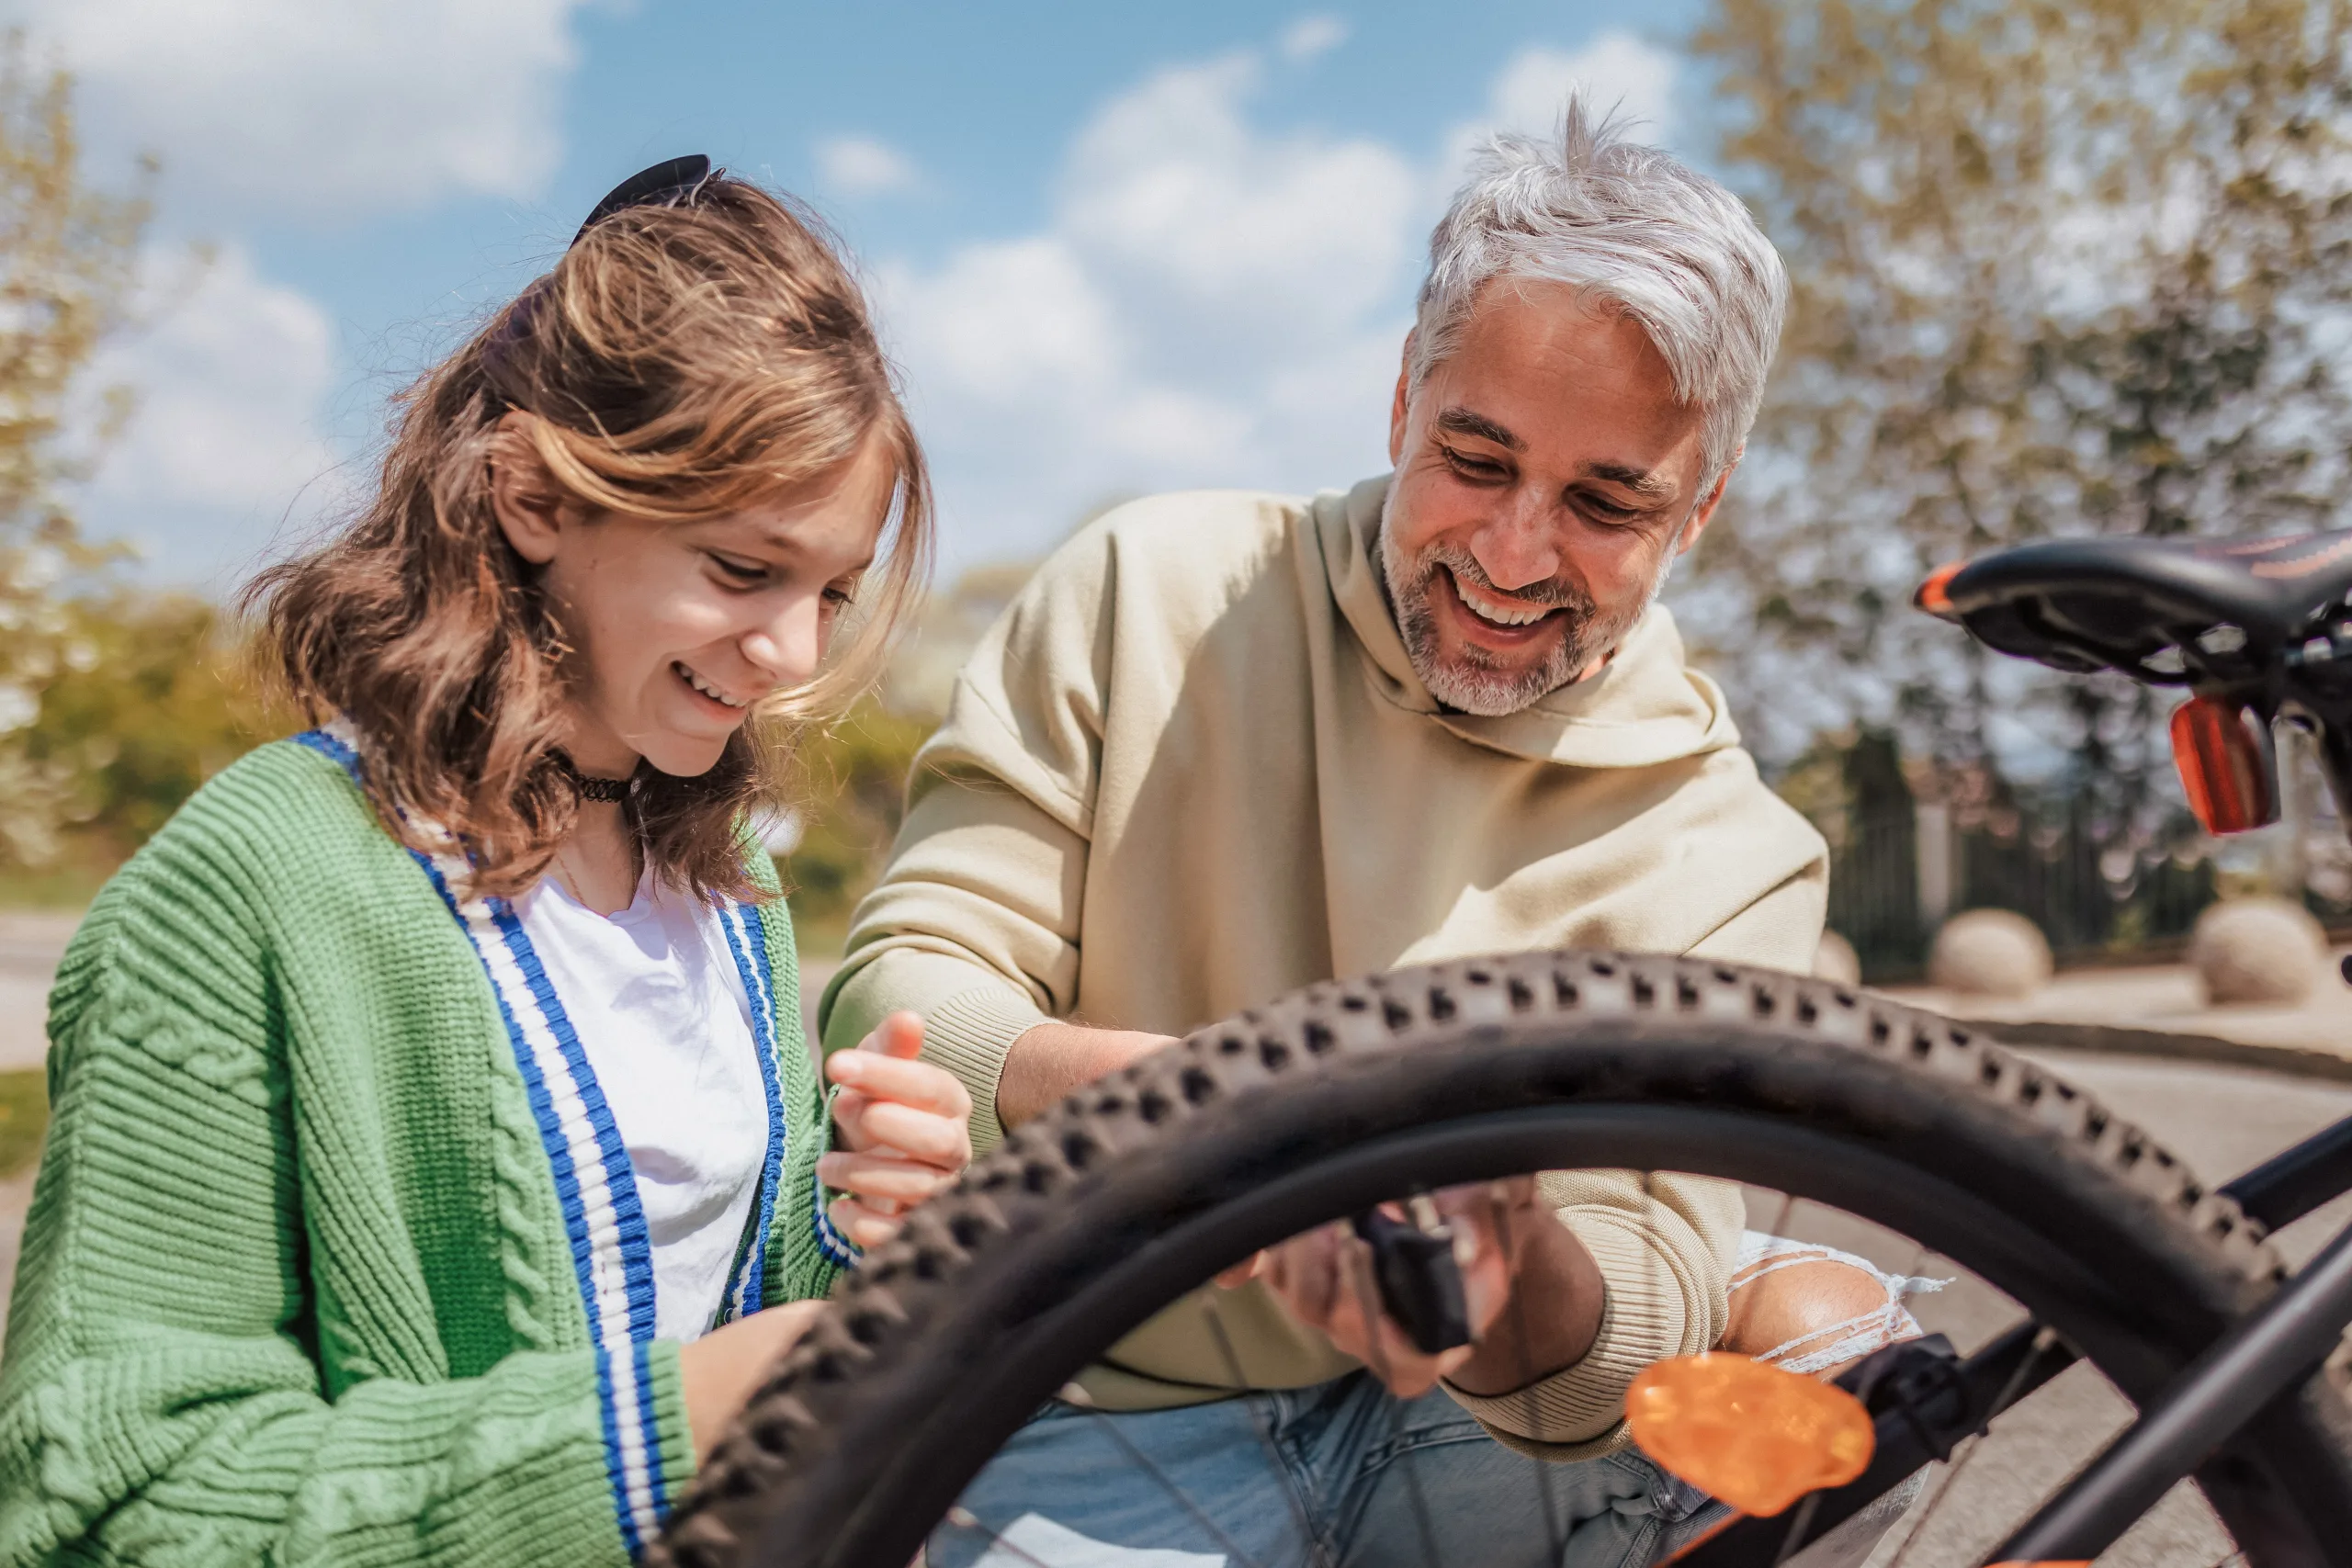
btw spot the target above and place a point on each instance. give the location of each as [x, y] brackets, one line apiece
[2266, 1353]
[2269, 1353]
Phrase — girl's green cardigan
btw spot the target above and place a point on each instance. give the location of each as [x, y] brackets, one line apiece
[321, 1265]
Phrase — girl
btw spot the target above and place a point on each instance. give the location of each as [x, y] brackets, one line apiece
[432, 1118]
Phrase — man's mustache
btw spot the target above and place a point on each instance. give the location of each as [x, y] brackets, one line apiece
[1552, 593]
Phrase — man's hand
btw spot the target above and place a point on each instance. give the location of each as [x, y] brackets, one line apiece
[901, 1131]
[1049, 1061]
[1532, 1291]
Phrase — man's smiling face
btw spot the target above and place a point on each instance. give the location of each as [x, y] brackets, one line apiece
[1546, 477]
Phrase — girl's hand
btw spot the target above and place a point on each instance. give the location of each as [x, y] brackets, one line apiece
[902, 1131]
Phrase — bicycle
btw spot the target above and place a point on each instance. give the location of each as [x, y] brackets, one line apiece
[1906, 1127]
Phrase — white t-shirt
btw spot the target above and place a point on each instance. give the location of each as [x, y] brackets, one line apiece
[658, 1004]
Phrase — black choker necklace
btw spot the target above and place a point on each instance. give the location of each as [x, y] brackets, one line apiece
[604, 792]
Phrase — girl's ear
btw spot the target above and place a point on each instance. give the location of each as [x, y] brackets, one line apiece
[531, 509]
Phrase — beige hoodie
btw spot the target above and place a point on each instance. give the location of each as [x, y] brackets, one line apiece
[1191, 769]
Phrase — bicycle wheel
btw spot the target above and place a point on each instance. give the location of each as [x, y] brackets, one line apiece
[1132, 1194]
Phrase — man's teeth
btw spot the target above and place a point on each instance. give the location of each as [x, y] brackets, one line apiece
[706, 688]
[1509, 615]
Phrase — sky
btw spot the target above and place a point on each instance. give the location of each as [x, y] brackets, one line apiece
[1113, 249]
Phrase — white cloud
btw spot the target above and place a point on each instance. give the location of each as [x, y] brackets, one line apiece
[860, 166]
[224, 444]
[1212, 302]
[1173, 181]
[1310, 37]
[322, 107]
[1617, 72]
[1005, 322]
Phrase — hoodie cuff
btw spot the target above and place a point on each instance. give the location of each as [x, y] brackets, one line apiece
[970, 1034]
[1579, 1412]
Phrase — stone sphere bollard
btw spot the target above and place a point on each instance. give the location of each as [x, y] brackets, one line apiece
[1835, 959]
[1989, 952]
[2258, 950]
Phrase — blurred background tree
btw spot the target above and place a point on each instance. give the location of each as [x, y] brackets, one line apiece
[115, 703]
[848, 794]
[68, 263]
[158, 694]
[2058, 269]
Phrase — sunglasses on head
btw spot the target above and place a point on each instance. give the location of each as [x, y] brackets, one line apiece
[671, 184]
[668, 184]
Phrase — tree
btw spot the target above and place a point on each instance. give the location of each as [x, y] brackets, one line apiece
[848, 795]
[67, 267]
[2058, 269]
[159, 693]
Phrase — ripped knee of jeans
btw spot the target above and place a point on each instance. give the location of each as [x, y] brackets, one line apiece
[1812, 1308]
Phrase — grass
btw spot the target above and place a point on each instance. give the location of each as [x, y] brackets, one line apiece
[24, 1116]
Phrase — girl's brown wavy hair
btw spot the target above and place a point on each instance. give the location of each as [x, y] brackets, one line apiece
[680, 362]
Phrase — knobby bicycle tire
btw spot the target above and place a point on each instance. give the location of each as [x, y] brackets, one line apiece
[1131, 1192]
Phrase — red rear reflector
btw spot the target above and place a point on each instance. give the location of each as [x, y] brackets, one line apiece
[1931, 596]
[2223, 755]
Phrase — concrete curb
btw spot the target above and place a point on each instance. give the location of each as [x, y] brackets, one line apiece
[2113, 1039]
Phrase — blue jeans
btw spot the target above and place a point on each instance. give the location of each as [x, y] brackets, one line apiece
[1336, 1487]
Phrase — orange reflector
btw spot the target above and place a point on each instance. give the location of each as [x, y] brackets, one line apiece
[1931, 596]
[2223, 755]
[1754, 1436]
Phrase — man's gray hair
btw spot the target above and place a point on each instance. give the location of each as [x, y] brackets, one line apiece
[1636, 230]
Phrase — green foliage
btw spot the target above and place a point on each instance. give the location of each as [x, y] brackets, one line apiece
[850, 787]
[2057, 268]
[850, 794]
[24, 1117]
[67, 266]
[154, 694]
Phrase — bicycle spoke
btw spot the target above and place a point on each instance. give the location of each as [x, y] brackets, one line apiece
[1800, 1524]
[1265, 1430]
[1659, 1281]
[1073, 1395]
[1358, 1269]
[1968, 1450]
[963, 1519]
[1552, 1534]
[1781, 1220]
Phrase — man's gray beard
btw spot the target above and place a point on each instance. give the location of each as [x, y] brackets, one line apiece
[1473, 684]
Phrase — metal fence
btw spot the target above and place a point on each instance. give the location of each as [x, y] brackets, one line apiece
[1895, 877]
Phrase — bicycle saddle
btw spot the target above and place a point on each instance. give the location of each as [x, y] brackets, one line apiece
[2230, 607]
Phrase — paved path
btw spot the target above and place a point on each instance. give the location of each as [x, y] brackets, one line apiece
[29, 945]
[2162, 997]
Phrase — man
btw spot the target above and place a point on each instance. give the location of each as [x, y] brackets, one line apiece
[1225, 745]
